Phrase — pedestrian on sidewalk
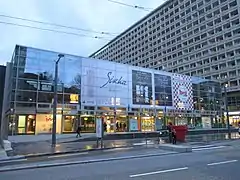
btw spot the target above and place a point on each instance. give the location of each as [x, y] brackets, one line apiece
[78, 132]
[169, 128]
[174, 136]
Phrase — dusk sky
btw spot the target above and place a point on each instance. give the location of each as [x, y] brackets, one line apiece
[95, 15]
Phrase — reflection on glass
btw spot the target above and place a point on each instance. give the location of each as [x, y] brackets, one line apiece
[21, 124]
[70, 123]
[31, 123]
[88, 123]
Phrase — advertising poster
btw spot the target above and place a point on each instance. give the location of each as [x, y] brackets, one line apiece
[158, 124]
[163, 90]
[133, 125]
[206, 123]
[99, 128]
[141, 87]
[182, 92]
[104, 83]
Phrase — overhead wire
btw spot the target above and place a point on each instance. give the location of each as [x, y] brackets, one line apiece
[52, 30]
[132, 6]
[59, 25]
[103, 33]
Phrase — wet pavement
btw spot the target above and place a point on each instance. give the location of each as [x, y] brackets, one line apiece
[44, 147]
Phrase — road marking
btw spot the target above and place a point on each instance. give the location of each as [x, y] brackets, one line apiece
[143, 143]
[223, 162]
[67, 155]
[203, 146]
[13, 160]
[158, 172]
[208, 148]
[117, 149]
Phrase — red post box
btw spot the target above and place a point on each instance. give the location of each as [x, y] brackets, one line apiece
[181, 132]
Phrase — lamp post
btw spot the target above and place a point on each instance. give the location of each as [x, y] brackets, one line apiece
[55, 101]
[226, 104]
[165, 111]
[227, 112]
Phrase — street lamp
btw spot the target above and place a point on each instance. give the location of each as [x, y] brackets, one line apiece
[165, 110]
[226, 105]
[55, 101]
[227, 112]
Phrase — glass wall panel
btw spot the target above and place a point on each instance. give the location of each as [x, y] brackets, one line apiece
[26, 96]
[70, 123]
[84, 82]
[47, 97]
[22, 124]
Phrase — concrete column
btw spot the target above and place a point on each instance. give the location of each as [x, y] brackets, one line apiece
[6, 104]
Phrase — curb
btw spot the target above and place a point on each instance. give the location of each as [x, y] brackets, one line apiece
[18, 157]
[21, 167]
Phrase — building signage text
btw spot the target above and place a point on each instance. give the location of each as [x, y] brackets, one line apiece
[113, 80]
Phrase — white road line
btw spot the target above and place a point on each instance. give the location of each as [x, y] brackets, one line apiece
[67, 155]
[143, 143]
[117, 149]
[13, 160]
[203, 149]
[223, 162]
[158, 172]
[203, 146]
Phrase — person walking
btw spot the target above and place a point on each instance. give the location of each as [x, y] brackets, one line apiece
[78, 132]
[174, 136]
[169, 128]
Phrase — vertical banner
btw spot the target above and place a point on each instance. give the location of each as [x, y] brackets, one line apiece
[182, 92]
[133, 125]
[158, 124]
[141, 87]
[163, 90]
[99, 127]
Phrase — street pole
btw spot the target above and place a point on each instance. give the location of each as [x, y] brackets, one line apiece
[227, 113]
[55, 101]
[164, 114]
[165, 111]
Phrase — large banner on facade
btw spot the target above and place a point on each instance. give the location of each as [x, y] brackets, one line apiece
[182, 92]
[141, 87]
[163, 90]
[104, 83]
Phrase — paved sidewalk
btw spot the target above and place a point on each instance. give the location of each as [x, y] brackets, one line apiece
[45, 148]
[3, 154]
[60, 137]
[46, 137]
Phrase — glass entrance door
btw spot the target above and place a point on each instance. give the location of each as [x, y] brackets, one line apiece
[148, 124]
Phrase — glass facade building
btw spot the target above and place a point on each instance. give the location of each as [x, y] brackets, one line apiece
[126, 98]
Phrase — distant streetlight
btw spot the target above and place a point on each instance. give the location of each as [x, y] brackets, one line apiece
[55, 101]
[227, 112]
[165, 110]
[226, 105]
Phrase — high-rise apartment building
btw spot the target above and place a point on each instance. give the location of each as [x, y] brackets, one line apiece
[192, 37]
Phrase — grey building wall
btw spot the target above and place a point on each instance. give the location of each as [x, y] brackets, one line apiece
[5, 102]
[2, 80]
[2, 83]
[192, 37]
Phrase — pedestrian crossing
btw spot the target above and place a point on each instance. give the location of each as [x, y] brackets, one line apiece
[207, 147]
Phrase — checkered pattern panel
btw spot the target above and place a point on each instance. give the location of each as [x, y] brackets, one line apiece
[182, 82]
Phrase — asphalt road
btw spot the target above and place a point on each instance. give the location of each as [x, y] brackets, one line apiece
[214, 164]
